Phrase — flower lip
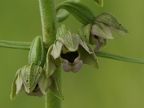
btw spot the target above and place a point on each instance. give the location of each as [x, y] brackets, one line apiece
[70, 56]
[36, 89]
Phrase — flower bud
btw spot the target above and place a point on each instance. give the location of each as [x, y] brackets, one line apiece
[30, 78]
[37, 52]
[101, 30]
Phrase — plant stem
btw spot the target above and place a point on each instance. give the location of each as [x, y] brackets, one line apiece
[51, 101]
[49, 28]
[48, 20]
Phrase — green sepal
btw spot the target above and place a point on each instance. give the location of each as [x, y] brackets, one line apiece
[37, 52]
[55, 88]
[70, 41]
[102, 30]
[110, 20]
[13, 88]
[84, 33]
[50, 63]
[99, 2]
[30, 75]
[79, 11]
[87, 55]
[62, 15]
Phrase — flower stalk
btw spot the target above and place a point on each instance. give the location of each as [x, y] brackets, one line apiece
[49, 28]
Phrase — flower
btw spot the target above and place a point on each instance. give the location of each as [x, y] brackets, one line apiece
[69, 51]
[32, 79]
[101, 30]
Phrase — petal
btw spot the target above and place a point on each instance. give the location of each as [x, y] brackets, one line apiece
[110, 20]
[70, 41]
[77, 66]
[85, 46]
[37, 93]
[87, 58]
[44, 84]
[55, 49]
[14, 89]
[50, 64]
[102, 30]
[66, 66]
[18, 84]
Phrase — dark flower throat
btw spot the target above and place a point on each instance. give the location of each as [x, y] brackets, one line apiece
[70, 56]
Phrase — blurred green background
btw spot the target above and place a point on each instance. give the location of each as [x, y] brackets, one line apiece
[116, 84]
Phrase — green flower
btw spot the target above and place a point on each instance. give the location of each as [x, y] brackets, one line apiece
[32, 79]
[101, 30]
[69, 51]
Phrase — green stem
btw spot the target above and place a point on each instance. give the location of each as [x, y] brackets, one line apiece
[49, 28]
[15, 45]
[51, 101]
[48, 20]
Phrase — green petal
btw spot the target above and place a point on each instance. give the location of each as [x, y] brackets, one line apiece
[30, 75]
[85, 46]
[87, 58]
[50, 65]
[70, 41]
[44, 84]
[14, 86]
[54, 88]
[55, 49]
[18, 84]
[102, 30]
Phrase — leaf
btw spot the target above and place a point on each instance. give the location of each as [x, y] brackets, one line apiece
[62, 15]
[117, 57]
[99, 2]
[79, 11]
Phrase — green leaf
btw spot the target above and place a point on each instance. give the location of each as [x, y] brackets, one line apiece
[15, 44]
[62, 15]
[117, 57]
[79, 11]
[99, 2]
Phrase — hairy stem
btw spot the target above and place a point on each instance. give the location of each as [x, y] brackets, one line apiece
[49, 28]
[48, 20]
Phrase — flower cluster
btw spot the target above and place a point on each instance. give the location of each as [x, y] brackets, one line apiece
[69, 51]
